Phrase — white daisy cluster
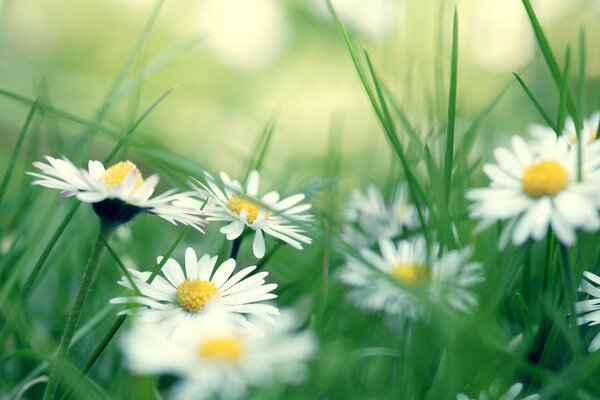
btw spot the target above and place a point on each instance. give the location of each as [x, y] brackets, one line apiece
[213, 326]
[401, 276]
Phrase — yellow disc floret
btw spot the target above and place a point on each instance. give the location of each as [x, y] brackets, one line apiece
[116, 174]
[227, 349]
[545, 178]
[237, 204]
[408, 273]
[193, 294]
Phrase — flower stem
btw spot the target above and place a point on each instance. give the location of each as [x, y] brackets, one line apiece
[86, 284]
[235, 246]
[569, 282]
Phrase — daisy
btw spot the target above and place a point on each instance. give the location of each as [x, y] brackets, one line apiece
[215, 361]
[513, 393]
[117, 193]
[445, 280]
[244, 209]
[589, 131]
[370, 218]
[534, 190]
[195, 293]
[590, 309]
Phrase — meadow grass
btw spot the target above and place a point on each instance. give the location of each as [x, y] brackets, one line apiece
[523, 329]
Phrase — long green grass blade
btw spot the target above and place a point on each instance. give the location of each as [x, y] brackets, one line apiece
[134, 126]
[261, 148]
[549, 58]
[537, 105]
[449, 152]
[15, 153]
[563, 90]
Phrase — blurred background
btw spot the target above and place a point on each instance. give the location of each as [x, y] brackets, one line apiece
[237, 65]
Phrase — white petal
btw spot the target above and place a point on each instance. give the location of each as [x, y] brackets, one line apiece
[258, 244]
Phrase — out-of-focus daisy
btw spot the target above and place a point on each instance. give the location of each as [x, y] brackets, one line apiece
[446, 280]
[589, 131]
[535, 190]
[244, 209]
[214, 361]
[117, 193]
[494, 393]
[590, 309]
[370, 218]
[193, 294]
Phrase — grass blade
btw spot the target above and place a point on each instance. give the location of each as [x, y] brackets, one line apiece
[537, 105]
[17, 149]
[451, 112]
[549, 58]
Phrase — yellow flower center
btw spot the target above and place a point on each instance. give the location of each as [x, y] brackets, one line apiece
[409, 273]
[237, 204]
[193, 294]
[227, 349]
[544, 178]
[116, 174]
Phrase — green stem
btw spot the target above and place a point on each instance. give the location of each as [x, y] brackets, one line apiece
[86, 284]
[569, 282]
[235, 246]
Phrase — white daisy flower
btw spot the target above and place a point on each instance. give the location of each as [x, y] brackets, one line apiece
[494, 393]
[445, 280]
[589, 131]
[215, 361]
[117, 193]
[244, 209]
[590, 309]
[370, 218]
[195, 293]
[535, 190]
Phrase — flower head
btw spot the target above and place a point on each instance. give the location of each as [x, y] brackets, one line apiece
[244, 209]
[117, 193]
[445, 280]
[589, 309]
[536, 189]
[370, 218]
[197, 292]
[216, 360]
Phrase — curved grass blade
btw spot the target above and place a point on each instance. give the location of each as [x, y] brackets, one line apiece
[17, 149]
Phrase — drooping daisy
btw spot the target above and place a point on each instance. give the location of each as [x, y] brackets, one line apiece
[445, 280]
[244, 209]
[117, 193]
[197, 292]
[215, 361]
[370, 218]
[537, 190]
[494, 393]
[589, 131]
[590, 308]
